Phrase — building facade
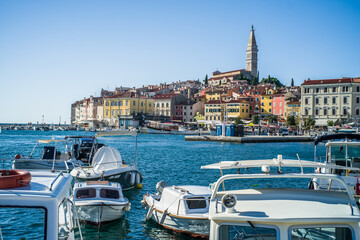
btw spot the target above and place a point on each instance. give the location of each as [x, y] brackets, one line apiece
[165, 104]
[331, 99]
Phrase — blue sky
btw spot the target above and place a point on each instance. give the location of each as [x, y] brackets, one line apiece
[53, 53]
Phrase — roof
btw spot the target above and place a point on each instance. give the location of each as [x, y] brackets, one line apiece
[165, 96]
[218, 72]
[331, 81]
[337, 137]
[236, 101]
[214, 102]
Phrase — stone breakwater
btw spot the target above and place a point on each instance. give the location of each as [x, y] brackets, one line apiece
[251, 139]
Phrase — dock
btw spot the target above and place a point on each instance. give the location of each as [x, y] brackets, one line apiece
[251, 139]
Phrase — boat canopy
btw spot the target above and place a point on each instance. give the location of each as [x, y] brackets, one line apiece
[336, 137]
[47, 141]
[116, 133]
[273, 163]
[107, 158]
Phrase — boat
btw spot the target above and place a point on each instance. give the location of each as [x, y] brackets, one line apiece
[39, 207]
[266, 210]
[182, 209]
[99, 202]
[184, 131]
[343, 150]
[54, 154]
[84, 147]
[107, 164]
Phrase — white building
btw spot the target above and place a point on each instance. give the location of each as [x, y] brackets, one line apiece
[331, 99]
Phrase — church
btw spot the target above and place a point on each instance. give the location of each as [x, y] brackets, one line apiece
[251, 70]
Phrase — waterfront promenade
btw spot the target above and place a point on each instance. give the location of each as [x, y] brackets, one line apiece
[251, 139]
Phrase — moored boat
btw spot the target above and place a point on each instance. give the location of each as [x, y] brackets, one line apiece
[99, 202]
[181, 209]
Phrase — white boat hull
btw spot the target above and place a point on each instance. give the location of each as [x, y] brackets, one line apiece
[100, 214]
[195, 227]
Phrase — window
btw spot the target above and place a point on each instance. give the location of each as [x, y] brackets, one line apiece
[262, 110]
[281, 104]
[86, 193]
[262, 98]
[357, 100]
[316, 100]
[167, 104]
[345, 100]
[262, 104]
[238, 232]
[306, 112]
[334, 89]
[325, 111]
[257, 99]
[270, 104]
[109, 193]
[344, 111]
[357, 111]
[333, 111]
[316, 111]
[306, 101]
[334, 100]
[343, 89]
[107, 103]
[149, 104]
[270, 110]
[142, 104]
[274, 104]
[162, 104]
[325, 100]
[329, 232]
[317, 90]
[158, 105]
[325, 90]
[126, 102]
[358, 89]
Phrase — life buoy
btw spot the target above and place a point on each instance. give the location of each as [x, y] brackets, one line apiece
[17, 156]
[14, 178]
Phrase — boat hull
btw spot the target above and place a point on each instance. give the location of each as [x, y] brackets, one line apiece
[100, 214]
[195, 227]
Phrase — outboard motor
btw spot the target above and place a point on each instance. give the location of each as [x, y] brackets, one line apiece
[160, 186]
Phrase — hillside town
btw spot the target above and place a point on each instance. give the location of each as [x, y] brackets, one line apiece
[236, 96]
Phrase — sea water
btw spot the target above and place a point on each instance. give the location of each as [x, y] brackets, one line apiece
[159, 157]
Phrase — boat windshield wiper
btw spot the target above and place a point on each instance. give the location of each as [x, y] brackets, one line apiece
[253, 227]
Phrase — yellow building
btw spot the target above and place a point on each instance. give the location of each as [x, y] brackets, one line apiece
[293, 108]
[213, 110]
[237, 108]
[266, 102]
[126, 106]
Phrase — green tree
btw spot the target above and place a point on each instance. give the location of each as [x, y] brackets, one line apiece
[330, 123]
[206, 80]
[272, 119]
[272, 80]
[309, 123]
[238, 120]
[255, 119]
[292, 82]
[337, 122]
[290, 121]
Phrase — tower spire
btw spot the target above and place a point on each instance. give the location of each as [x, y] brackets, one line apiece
[251, 54]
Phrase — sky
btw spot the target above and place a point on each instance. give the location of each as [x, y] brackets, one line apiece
[53, 53]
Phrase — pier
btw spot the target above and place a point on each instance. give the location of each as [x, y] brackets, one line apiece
[251, 139]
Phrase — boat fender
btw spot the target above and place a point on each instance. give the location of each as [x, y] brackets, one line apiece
[17, 156]
[139, 186]
[163, 217]
[127, 178]
[137, 179]
[149, 213]
[132, 179]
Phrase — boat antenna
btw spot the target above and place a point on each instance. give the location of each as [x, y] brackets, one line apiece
[301, 166]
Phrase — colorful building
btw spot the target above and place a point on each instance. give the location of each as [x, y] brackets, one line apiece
[278, 104]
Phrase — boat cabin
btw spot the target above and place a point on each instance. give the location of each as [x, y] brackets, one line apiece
[40, 210]
[97, 190]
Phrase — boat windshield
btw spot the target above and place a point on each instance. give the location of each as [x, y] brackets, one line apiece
[23, 222]
[345, 155]
[238, 232]
[109, 193]
[196, 202]
[319, 233]
[86, 193]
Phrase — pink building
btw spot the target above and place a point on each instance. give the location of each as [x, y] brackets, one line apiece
[278, 104]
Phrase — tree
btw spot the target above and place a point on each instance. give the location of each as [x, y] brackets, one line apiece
[255, 119]
[337, 122]
[272, 119]
[292, 82]
[272, 80]
[238, 120]
[290, 121]
[206, 80]
[330, 123]
[309, 123]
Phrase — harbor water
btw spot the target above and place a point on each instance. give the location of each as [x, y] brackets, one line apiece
[160, 157]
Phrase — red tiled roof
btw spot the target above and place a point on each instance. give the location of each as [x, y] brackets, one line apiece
[237, 101]
[165, 96]
[231, 71]
[213, 102]
[331, 81]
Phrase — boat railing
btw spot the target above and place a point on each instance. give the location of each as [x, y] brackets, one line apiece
[331, 177]
[55, 179]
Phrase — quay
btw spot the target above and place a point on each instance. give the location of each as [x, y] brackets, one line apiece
[251, 139]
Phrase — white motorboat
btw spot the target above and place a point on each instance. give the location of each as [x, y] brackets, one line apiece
[184, 131]
[99, 202]
[54, 154]
[181, 209]
[265, 211]
[36, 205]
[341, 150]
[108, 165]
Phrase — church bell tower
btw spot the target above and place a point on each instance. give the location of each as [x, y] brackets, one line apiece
[251, 54]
